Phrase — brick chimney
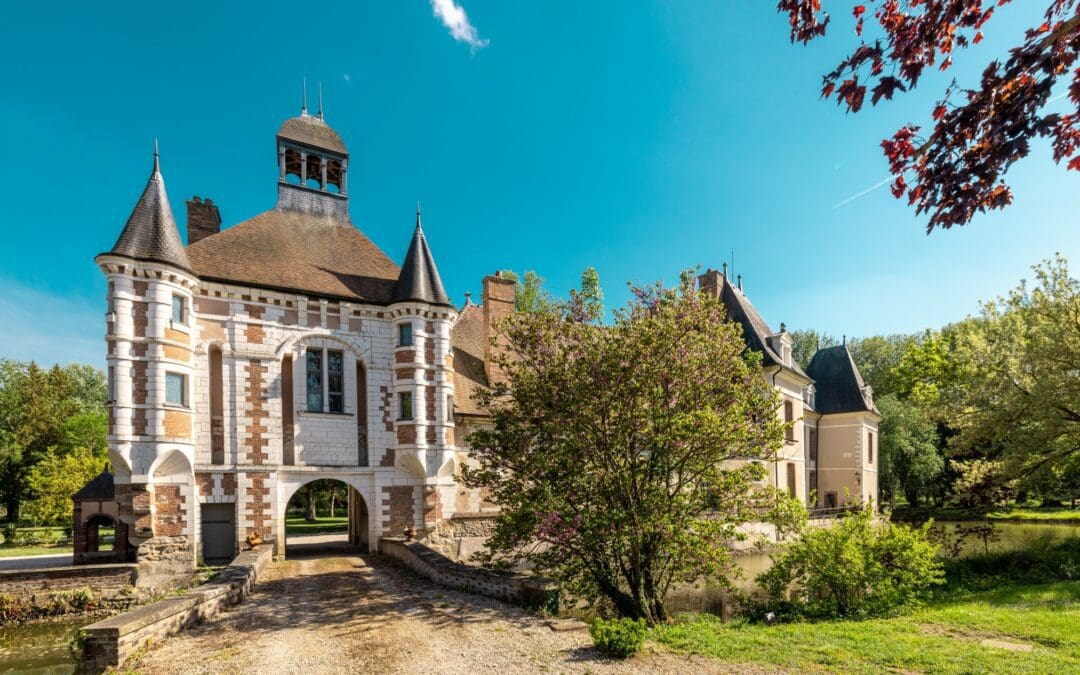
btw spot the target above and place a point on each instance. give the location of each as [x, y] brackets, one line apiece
[498, 299]
[203, 219]
[711, 282]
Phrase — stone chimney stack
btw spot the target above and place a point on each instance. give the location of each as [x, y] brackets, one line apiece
[711, 282]
[498, 299]
[203, 219]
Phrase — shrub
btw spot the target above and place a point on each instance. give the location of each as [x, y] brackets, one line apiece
[620, 638]
[855, 568]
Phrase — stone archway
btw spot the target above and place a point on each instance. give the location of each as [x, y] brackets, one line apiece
[325, 515]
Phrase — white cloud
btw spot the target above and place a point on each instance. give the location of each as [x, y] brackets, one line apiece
[453, 16]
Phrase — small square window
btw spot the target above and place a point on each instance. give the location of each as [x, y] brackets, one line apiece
[404, 332]
[179, 309]
[405, 406]
[175, 389]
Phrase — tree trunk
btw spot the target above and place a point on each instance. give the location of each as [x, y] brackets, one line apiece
[333, 497]
[310, 516]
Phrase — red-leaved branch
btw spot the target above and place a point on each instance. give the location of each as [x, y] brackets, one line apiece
[978, 133]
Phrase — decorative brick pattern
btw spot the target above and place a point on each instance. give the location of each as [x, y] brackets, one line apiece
[168, 507]
[404, 356]
[257, 505]
[399, 508]
[406, 434]
[256, 429]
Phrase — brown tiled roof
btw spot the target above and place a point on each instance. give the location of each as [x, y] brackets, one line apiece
[467, 340]
[312, 131]
[297, 251]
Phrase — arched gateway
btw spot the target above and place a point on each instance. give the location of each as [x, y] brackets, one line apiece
[283, 349]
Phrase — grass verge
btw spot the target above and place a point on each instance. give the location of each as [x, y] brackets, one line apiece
[12, 551]
[323, 525]
[1020, 629]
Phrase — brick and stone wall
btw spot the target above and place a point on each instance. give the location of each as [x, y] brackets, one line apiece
[110, 642]
[46, 580]
[512, 587]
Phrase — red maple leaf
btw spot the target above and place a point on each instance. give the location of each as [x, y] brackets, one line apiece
[1074, 163]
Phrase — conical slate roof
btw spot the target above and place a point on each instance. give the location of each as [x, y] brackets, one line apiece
[150, 233]
[840, 387]
[419, 279]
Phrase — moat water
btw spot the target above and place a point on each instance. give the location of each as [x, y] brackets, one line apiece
[42, 648]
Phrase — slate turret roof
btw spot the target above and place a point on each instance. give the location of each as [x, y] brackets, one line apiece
[755, 331]
[150, 233]
[419, 278]
[840, 387]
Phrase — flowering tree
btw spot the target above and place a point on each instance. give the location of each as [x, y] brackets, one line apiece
[958, 168]
[624, 457]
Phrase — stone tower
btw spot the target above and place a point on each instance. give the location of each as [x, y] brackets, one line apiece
[424, 377]
[151, 289]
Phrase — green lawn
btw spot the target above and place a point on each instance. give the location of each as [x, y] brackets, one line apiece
[9, 552]
[1062, 513]
[943, 637]
[324, 525]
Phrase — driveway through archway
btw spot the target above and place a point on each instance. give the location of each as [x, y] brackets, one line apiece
[325, 516]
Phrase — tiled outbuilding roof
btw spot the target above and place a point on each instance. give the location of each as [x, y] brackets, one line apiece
[150, 232]
[467, 340]
[839, 385]
[312, 131]
[419, 278]
[290, 250]
[100, 487]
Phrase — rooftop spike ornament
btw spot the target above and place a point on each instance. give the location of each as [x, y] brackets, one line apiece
[303, 102]
[157, 159]
[320, 101]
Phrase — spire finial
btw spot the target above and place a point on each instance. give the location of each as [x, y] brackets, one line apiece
[418, 213]
[157, 158]
[303, 103]
[320, 101]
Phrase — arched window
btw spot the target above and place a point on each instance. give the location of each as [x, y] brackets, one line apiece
[361, 414]
[314, 171]
[333, 176]
[287, 432]
[789, 418]
[293, 166]
[217, 408]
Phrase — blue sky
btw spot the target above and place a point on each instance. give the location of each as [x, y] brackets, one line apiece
[641, 137]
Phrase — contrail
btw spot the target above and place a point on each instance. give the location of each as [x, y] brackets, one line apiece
[890, 179]
[863, 193]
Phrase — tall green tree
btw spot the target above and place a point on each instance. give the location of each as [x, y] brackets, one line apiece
[35, 404]
[53, 481]
[806, 342]
[911, 462]
[1014, 390]
[590, 294]
[530, 294]
[877, 357]
[633, 452]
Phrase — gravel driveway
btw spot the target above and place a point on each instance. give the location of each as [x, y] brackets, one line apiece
[369, 614]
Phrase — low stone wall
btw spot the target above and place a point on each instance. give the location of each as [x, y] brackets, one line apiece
[461, 536]
[512, 587]
[45, 580]
[110, 642]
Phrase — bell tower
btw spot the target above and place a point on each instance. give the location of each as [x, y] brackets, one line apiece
[313, 166]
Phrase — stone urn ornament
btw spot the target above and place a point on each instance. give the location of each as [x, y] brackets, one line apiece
[410, 532]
